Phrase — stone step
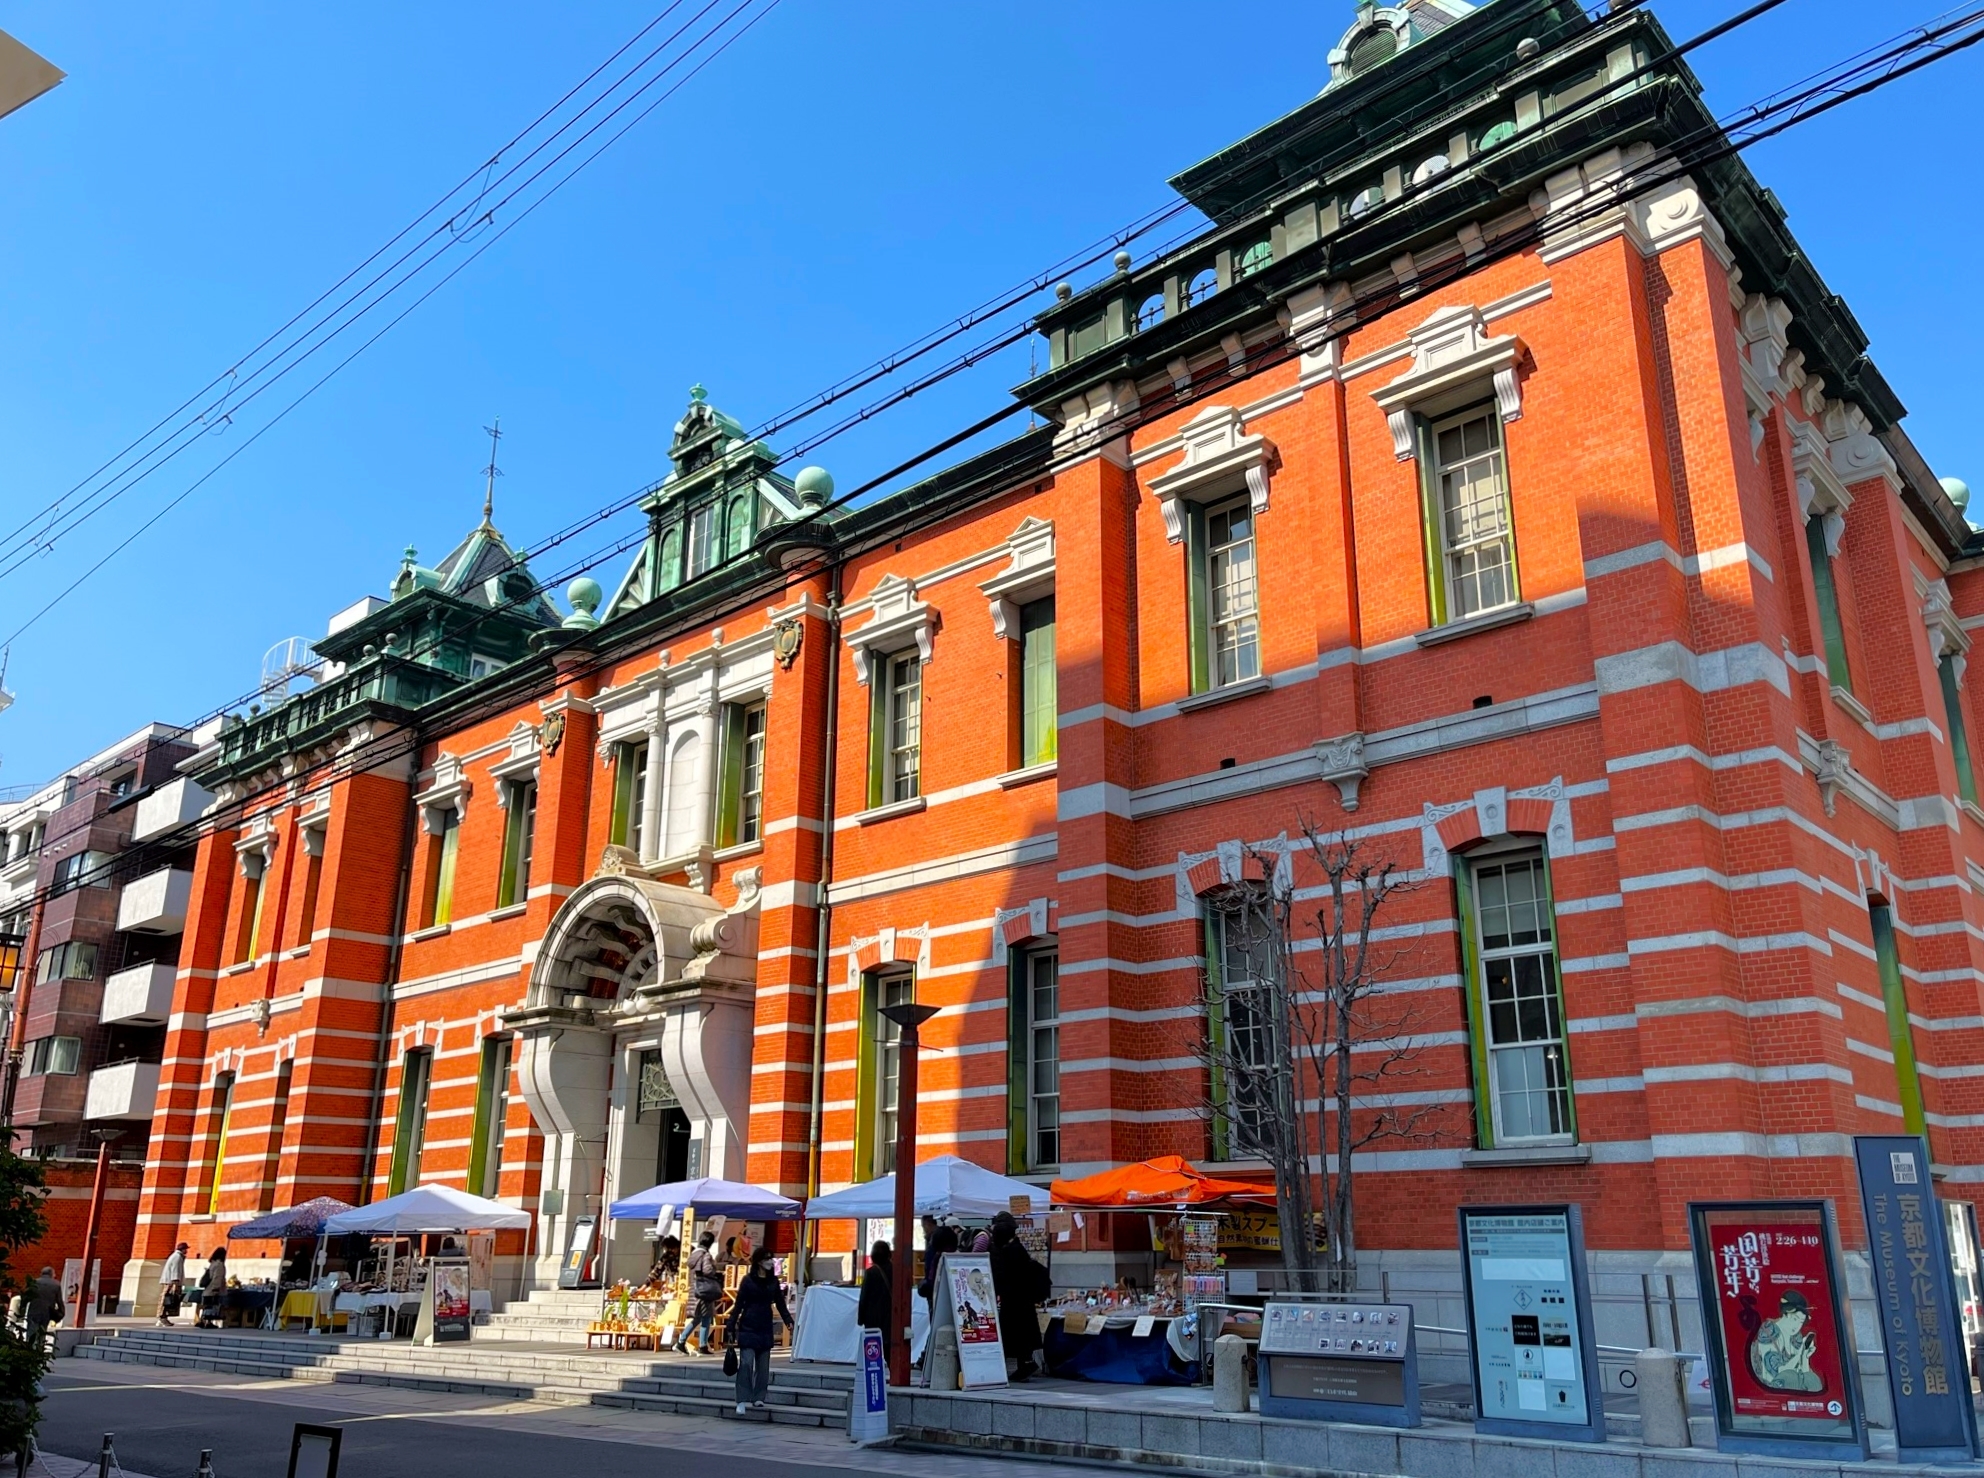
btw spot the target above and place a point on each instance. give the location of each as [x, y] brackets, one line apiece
[724, 1409]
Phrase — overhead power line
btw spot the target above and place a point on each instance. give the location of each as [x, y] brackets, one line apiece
[1864, 73]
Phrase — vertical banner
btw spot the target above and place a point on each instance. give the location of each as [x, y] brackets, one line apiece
[868, 1412]
[972, 1308]
[1915, 1286]
[447, 1294]
[1780, 1353]
[1535, 1357]
[74, 1293]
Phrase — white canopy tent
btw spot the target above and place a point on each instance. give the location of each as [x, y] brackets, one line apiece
[945, 1186]
[429, 1210]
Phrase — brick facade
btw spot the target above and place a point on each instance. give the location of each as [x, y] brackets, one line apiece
[1726, 831]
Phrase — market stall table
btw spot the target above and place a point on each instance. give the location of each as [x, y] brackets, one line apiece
[244, 1308]
[830, 1328]
[1117, 1354]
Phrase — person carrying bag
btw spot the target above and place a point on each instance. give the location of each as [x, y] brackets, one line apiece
[748, 1344]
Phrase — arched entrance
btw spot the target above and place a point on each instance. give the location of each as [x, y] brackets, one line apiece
[634, 1045]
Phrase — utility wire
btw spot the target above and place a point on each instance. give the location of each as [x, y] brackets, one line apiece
[1378, 305]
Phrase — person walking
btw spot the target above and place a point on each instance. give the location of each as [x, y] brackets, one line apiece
[759, 1293]
[877, 1307]
[213, 1290]
[705, 1287]
[172, 1286]
[1019, 1283]
[44, 1307]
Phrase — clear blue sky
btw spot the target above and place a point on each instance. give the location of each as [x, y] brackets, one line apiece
[846, 177]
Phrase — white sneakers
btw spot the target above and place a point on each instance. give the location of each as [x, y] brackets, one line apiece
[742, 1409]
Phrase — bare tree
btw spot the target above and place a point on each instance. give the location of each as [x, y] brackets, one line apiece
[1302, 1058]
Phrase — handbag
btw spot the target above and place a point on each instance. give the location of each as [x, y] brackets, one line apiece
[730, 1360]
[172, 1301]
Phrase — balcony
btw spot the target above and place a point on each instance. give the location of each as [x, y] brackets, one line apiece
[141, 995]
[156, 903]
[171, 805]
[125, 1091]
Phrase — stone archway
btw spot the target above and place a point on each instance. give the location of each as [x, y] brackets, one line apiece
[635, 971]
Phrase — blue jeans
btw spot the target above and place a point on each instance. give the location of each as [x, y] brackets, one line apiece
[703, 1318]
[754, 1374]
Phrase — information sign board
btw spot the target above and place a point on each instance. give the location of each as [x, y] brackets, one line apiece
[572, 1272]
[1780, 1353]
[970, 1306]
[444, 1303]
[1915, 1286]
[1529, 1322]
[868, 1412]
[1353, 1362]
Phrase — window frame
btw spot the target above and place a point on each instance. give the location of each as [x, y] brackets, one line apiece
[1442, 597]
[1959, 731]
[1825, 595]
[893, 702]
[1894, 1003]
[1474, 960]
[1203, 647]
[410, 1122]
[630, 788]
[740, 817]
[446, 851]
[1220, 1018]
[492, 1111]
[1040, 714]
[222, 1112]
[1022, 1059]
[875, 1139]
[519, 838]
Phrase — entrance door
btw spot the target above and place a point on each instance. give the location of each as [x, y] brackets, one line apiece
[672, 1160]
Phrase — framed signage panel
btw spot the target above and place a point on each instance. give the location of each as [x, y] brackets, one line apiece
[1780, 1351]
[1535, 1360]
[1346, 1362]
[1922, 1339]
[968, 1304]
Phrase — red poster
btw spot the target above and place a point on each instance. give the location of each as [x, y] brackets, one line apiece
[1776, 1312]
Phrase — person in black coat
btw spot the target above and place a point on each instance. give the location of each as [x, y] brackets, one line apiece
[1020, 1284]
[759, 1293]
[877, 1307]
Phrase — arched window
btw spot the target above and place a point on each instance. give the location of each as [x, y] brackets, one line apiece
[1366, 199]
[1373, 47]
[1255, 257]
[1151, 312]
[737, 526]
[668, 573]
[1202, 286]
[684, 827]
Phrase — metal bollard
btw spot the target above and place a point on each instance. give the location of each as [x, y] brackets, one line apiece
[103, 1458]
[206, 1463]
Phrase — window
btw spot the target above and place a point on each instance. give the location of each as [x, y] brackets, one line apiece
[1040, 711]
[272, 1163]
[630, 794]
[84, 869]
[248, 925]
[410, 1128]
[492, 1112]
[1150, 313]
[1901, 1037]
[1253, 259]
[1035, 1065]
[1224, 595]
[1476, 559]
[54, 1055]
[1374, 47]
[1515, 1004]
[703, 545]
[1966, 781]
[1821, 544]
[122, 785]
[741, 808]
[882, 1069]
[313, 878]
[1202, 286]
[519, 827]
[223, 1113]
[72, 961]
[442, 849]
[1241, 961]
[895, 745]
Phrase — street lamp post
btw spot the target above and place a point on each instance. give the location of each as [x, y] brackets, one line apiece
[104, 1139]
[909, 1017]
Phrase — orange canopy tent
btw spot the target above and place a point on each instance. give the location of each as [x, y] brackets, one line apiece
[1168, 1180]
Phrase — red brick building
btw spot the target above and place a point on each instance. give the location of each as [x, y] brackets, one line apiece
[1493, 479]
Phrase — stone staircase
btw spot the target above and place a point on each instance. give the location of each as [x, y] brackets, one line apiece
[547, 1316]
[806, 1396]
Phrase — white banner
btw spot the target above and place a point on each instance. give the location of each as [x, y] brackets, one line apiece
[972, 1309]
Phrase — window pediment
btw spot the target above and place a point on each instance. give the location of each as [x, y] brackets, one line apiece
[1453, 361]
[521, 763]
[898, 620]
[1029, 575]
[1822, 494]
[255, 846]
[1218, 455]
[449, 792]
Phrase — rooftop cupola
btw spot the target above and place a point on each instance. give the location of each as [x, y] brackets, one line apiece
[1381, 32]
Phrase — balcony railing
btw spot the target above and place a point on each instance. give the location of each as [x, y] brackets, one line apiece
[157, 902]
[124, 1090]
[141, 995]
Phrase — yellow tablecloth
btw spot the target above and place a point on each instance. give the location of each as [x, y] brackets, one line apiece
[305, 1303]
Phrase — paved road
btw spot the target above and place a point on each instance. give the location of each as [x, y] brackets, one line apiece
[163, 1418]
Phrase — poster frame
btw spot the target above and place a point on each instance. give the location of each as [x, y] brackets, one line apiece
[978, 1367]
[1592, 1429]
[1872, 1154]
[1722, 1402]
[868, 1412]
